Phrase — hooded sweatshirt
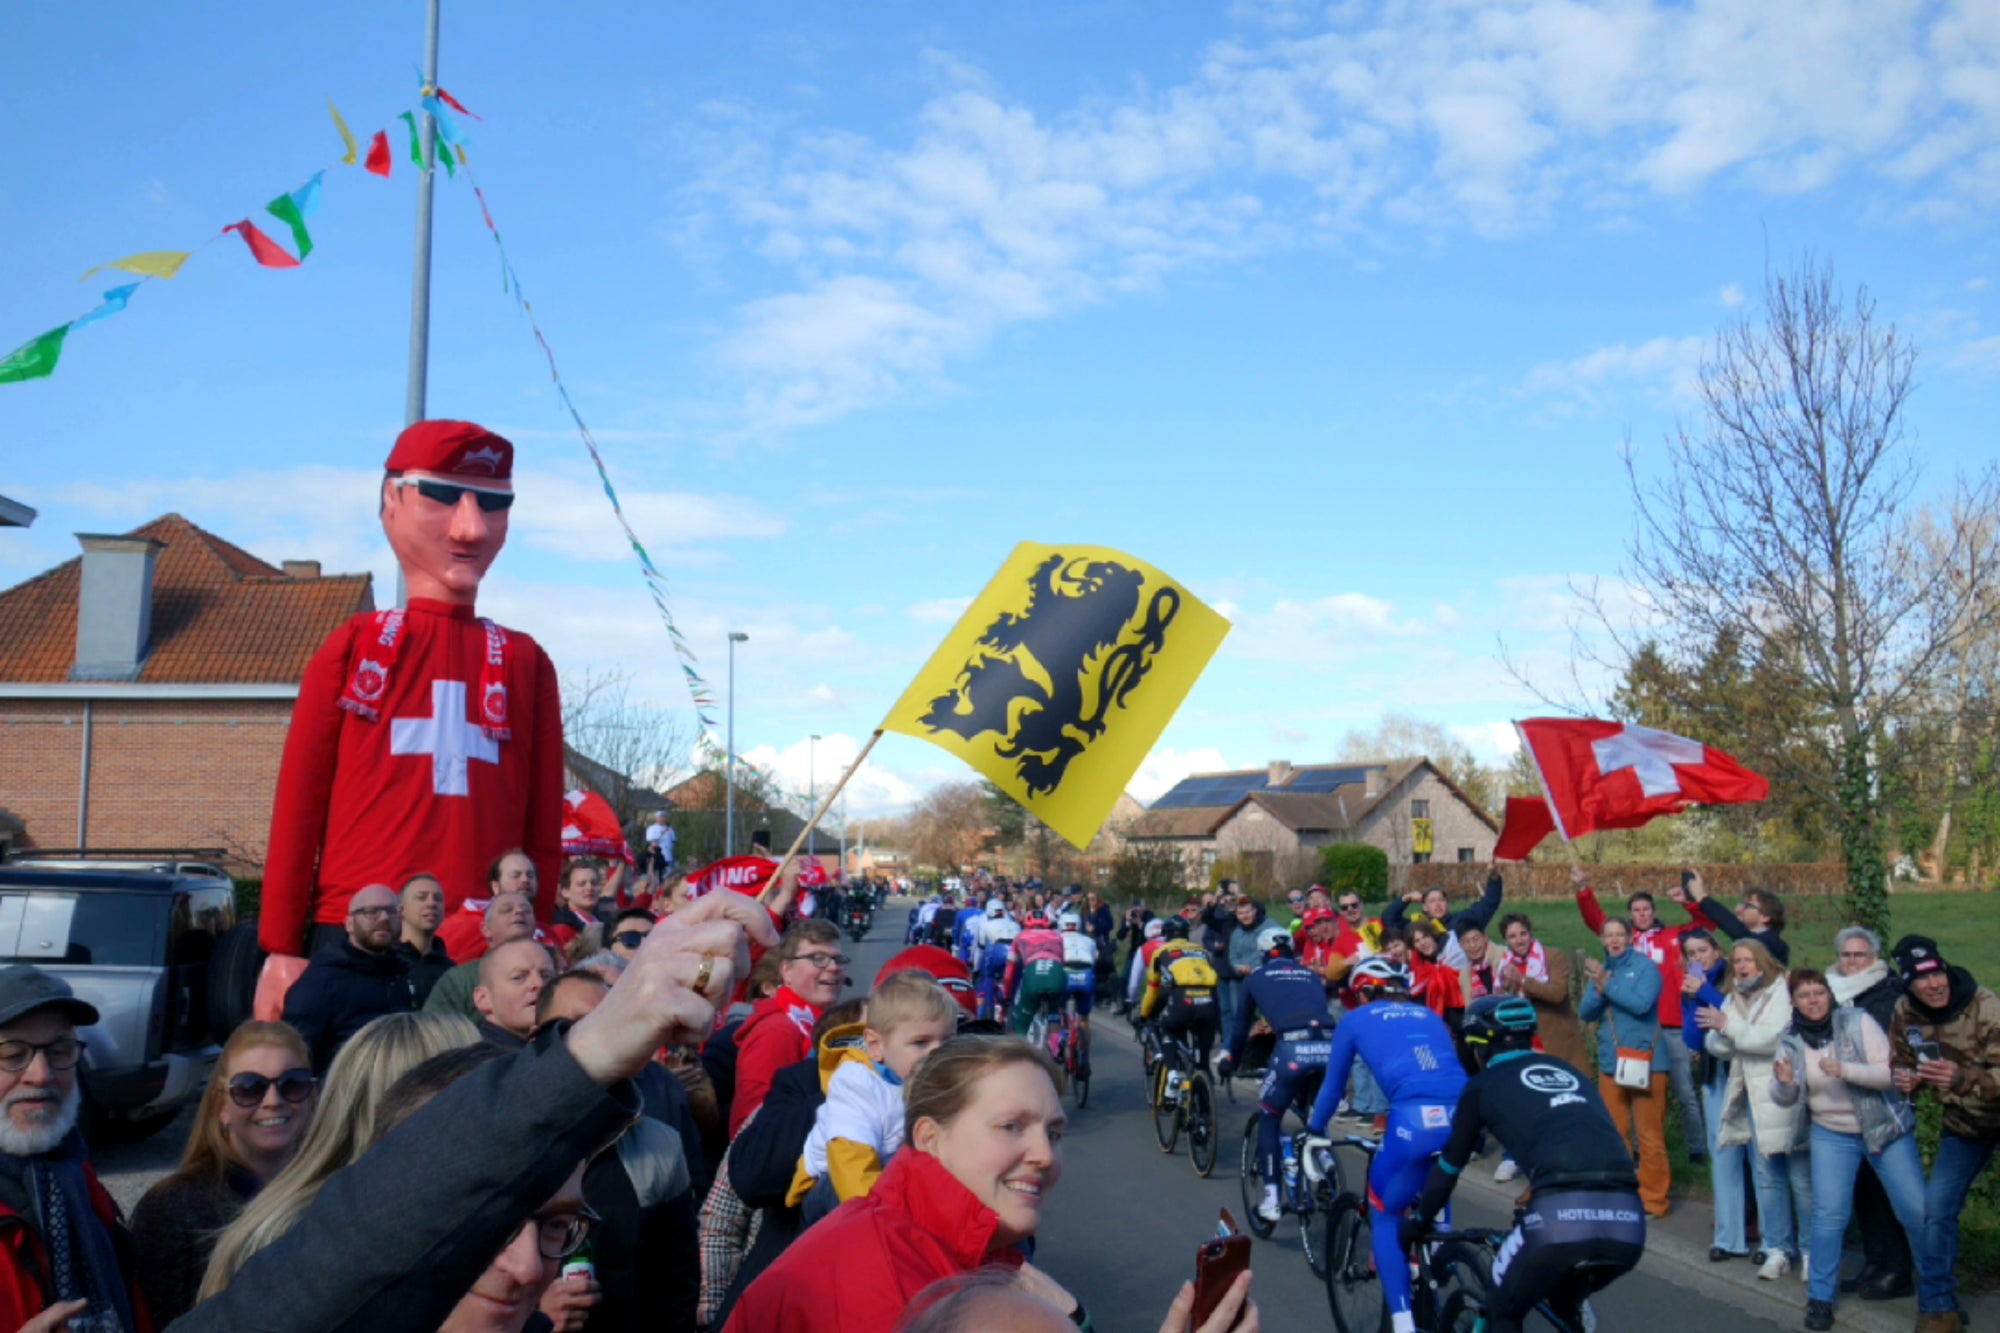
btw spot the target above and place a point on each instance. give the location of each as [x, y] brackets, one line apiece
[777, 1033]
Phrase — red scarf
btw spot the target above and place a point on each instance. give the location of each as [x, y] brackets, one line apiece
[370, 681]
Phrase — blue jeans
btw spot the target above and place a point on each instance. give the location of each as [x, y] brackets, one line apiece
[1836, 1159]
[1680, 1078]
[1783, 1182]
[1959, 1162]
[1725, 1176]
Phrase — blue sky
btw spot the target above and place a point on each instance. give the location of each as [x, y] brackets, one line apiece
[1341, 314]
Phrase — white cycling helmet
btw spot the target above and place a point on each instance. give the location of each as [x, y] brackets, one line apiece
[1379, 972]
[1154, 927]
[1069, 921]
[994, 907]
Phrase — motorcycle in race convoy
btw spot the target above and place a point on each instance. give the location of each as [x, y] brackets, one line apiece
[858, 913]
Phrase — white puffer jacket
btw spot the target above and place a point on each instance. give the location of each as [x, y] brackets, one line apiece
[1756, 1023]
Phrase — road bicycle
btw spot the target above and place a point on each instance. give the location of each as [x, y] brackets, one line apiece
[1067, 1041]
[1311, 1183]
[1184, 1099]
[1452, 1285]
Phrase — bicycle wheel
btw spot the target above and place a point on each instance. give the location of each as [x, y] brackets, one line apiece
[1250, 1175]
[1166, 1114]
[1463, 1274]
[1203, 1131]
[1352, 1289]
[1313, 1224]
[1076, 1056]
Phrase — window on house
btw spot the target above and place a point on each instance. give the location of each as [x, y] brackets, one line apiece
[1464, 854]
[1420, 809]
[1420, 858]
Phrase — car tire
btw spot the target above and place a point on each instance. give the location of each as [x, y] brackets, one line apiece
[232, 979]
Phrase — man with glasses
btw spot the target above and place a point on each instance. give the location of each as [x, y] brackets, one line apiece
[351, 983]
[811, 972]
[424, 738]
[67, 1248]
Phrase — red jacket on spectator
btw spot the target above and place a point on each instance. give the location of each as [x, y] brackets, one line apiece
[777, 1033]
[1662, 944]
[857, 1270]
[24, 1262]
[1436, 985]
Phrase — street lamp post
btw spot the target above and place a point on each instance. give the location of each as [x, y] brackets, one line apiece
[812, 789]
[729, 785]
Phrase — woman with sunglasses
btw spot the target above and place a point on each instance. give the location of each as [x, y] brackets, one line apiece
[256, 1107]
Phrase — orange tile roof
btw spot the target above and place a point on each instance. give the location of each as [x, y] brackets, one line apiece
[221, 616]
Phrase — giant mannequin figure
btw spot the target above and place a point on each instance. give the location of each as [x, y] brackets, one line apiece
[423, 740]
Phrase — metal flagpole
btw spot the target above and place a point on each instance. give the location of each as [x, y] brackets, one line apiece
[420, 284]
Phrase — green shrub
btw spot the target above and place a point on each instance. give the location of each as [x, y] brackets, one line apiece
[1356, 866]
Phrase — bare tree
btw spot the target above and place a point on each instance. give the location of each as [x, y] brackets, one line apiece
[948, 829]
[639, 748]
[1401, 736]
[1784, 519]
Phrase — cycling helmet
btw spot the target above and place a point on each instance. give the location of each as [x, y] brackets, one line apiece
[1154, 927]
[1036, 921]
[1274, 941]
[994, 907]
[1069, 921]
[1175, 929]
[1379, 972]
[1501, 1022]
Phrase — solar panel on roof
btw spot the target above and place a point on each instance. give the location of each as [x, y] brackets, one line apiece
[1325, 779]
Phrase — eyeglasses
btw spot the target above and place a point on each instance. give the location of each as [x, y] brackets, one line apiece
[820, 962]
[631, 939]
[1856, 953]
[490, 502]
[561, 1233]
[294, 1085]
[375, 913]
[1351, 907]
[62, 1053]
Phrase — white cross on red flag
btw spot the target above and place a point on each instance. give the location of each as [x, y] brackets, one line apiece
[1607, 775]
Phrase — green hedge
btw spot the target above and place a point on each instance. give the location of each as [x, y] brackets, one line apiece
[1357, 866]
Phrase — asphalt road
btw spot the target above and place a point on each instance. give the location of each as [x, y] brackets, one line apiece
[1124, 1222]
[1125, 1219]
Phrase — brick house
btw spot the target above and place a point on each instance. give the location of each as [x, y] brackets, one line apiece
[1276, 819]
[146, 687]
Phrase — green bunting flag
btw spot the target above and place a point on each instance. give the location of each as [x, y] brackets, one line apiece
[416, 146]
[35, 358]
[286, 210]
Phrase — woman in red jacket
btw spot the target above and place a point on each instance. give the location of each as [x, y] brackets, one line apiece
[982, 1149]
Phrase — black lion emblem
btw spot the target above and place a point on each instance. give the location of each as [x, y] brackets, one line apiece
[1077, 617]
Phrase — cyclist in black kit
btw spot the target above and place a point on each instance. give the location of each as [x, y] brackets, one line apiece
[1584, 1224]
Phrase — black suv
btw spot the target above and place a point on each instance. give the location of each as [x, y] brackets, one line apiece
[156, 948]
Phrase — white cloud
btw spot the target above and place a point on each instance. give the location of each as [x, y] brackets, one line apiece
[1491, 742]
[571, 517]
[939, 610]
[804, 766]
[1314, 123]
[1666, 368]
[1980, 355]
[1731, 296]
[1165, 766]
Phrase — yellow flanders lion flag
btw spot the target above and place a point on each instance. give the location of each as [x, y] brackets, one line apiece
[1058, 679]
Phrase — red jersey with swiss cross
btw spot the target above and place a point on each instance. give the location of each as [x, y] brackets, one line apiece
[430, 784]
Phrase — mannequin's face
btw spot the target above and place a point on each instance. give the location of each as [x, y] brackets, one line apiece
[444, 549]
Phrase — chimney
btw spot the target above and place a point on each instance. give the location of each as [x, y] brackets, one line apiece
[1280, 773]
[114, 607]
[301, 569]
[1375, 776]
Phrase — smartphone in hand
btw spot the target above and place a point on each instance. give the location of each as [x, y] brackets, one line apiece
[1217, 1265]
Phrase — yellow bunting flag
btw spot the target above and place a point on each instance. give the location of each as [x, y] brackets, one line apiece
[346, 135]
[152, 263]
[1059, 678]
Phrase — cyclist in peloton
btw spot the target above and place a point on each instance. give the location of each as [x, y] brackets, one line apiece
[1079, 968]
[1584, 1224]
[1035, 978]
[1291, 997]
[1180, 990]
[1409, 1051]
[993, 942]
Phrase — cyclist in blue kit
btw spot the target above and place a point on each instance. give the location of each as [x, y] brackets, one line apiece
[1410, 1052]
[1291, 997]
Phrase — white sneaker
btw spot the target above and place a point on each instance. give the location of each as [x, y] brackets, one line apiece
[1268, 1211]
[1775, 1266]
[1506, 1171]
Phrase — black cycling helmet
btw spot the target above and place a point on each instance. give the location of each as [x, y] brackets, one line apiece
[1499, 1023]
[1175, 929]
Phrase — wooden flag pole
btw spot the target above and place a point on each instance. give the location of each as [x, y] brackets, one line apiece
[770, 889]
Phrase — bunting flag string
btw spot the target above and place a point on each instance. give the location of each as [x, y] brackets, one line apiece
[656, 582]
[38, 356]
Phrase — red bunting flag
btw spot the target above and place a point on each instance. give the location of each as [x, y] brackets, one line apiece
[1603, 775]
[1528, 821]
[454, 103]
[267, 251]
[378, 153]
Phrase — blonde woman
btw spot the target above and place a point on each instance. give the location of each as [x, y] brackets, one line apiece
[258, 1103]
[1747, 1031]
[343, 1128]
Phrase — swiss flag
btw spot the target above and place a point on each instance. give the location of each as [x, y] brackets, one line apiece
[590, 828]
[1604, 775]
